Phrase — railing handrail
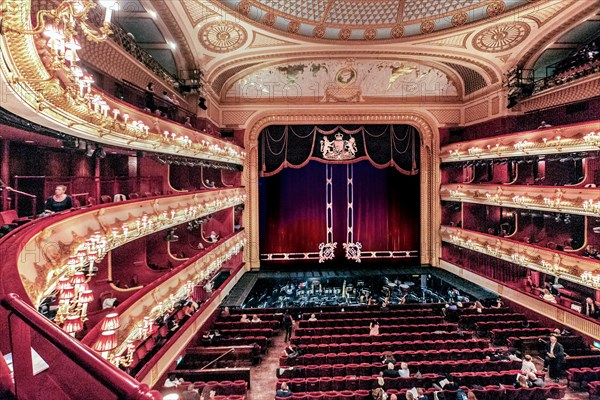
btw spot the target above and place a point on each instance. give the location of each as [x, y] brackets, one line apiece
[112, 378]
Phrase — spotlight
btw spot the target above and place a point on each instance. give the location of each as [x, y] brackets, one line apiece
[202, 103]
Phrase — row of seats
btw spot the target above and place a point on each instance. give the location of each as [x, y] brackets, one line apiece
[248, 332]
[262, 341]
[366, 314]
[577, 376]
[397, 320]
[339, 383]
[594, 390]
[492, 392]
[328, 334]
[226, 388]
[500, 336]
[427, 326]
[236, 318]
[424, 367]
[470, 320]
[369, 357]
[484, 328]
[246, 325]
[400, 345]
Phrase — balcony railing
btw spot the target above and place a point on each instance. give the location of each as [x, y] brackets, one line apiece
[28, 327]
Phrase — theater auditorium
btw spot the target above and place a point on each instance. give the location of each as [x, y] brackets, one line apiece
[303, 199]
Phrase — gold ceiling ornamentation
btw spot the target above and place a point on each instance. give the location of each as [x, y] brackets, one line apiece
[293, 26]
[501, 37]
[269, 18]
[222, 36]
[370, 34]
[197, 12]
[319, 31]
[427, 26]
[244, 7]
[260, 40]
[460, 18]
[397, 31]
[496, 8]
[345, 33]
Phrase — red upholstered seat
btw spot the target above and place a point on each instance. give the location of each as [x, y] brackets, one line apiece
[362, 394]
[312, 384]
[331, 395]
[339, 383]
[325, 383]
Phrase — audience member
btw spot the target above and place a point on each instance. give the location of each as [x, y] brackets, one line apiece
[313, 318]
[284, 391]
[255, 318]
[378, 394]
[534, 380]
[528, 365]
[390, 372]
[388, 357]
[547, 296]
[60, 201]
[421, 394]
[288, 324]
[471, 395]
[172, 381]
[244, 318]
[225, 312]
[589, 308]
[554, 359]
[403, 372]
[149, 98]
[374, 328]
[190, 393]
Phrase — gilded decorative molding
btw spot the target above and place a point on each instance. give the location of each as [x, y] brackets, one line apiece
[577, 90]
[576, 269]
[501, 37]
[554, 140]
[49, 91]
[581, 201]
[47, 255]
[222, 36]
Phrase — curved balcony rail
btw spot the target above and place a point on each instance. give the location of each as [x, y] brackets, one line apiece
[582, 201]
[75, 241]
[581, 270]
[553, 140]
[161, 296]
[24, 320]
[48, 88]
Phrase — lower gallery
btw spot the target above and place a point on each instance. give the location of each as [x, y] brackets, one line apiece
[321, 199]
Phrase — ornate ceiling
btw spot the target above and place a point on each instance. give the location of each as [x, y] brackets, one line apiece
[367, 19]
[244, 45]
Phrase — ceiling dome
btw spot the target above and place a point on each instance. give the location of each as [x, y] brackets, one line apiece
[367, 20]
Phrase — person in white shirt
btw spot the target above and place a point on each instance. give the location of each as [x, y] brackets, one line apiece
[403, 372]
[172, 381]
[528, 365]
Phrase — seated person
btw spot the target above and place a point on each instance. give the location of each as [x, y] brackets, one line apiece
[60, 201]
[190, 393]
[209, 184]
[313, 318]
[291, 351]
[255, 318]
[244, 318]
[172, 325]
[172, 381]
[528, 365]
[214, 237]
[225, 312]
[535, 381]
[403, 372]
[284, 391]
[388, 357]
[109, 302]
[390, 372]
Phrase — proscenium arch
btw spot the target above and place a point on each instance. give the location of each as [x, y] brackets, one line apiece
[429, 171]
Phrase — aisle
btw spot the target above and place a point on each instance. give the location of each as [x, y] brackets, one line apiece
[264, 376]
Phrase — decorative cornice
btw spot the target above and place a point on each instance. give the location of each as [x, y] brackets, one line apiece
[580, 201]
[553, 140]
[572, 268]
[49, 98]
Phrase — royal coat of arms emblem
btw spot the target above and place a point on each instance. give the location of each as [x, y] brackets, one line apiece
[338, 149]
